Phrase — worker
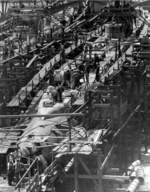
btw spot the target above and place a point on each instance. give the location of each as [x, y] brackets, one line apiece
[111, 61]
[106, 80]
[5, 52]
[87, 72]
[5, 72]
[67, 78]
[119, 49]
[81, 68]
[103, 56]
[41, 58]
[71, 19]
[76, 75]
[117, 3]
[22, 5]
[62, 54]
[97, 77]
[17, 170]
[11, 51]
[28, 48]
[10, 169]
[85, 52]
[51, 34]
[53, 51]
[38, 48]
[60, 90]
[96, 61]
[90, 52]
[51, 76]
[76, 38]
[54, 95]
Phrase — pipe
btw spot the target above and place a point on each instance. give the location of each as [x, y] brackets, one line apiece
[127, 121]
[107, 157]
[36, 115]
[132, 175]
[140, 174]
[134, 185]
[132, 167]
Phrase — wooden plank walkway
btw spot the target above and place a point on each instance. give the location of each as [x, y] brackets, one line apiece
[21, 95]
[24, 91]
[115, 68]
[5, 143]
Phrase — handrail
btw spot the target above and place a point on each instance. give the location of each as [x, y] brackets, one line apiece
[35, 178]
[25, 174]
[49, 170]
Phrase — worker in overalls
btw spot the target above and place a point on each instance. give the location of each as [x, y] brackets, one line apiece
[10, 169]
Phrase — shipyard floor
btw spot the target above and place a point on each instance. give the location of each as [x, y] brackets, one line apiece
[145, 187]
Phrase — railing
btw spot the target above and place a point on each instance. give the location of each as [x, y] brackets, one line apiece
[38, 180]
[27, 173]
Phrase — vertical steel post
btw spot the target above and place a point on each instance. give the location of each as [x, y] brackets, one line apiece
[76, 173]
[99, 188]
[69, 123]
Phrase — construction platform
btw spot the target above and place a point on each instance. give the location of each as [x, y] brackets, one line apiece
[94, 154]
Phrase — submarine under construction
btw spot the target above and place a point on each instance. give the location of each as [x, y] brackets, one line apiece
[74, 96]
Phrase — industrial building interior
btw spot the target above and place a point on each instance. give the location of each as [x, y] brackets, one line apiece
[74, 96]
